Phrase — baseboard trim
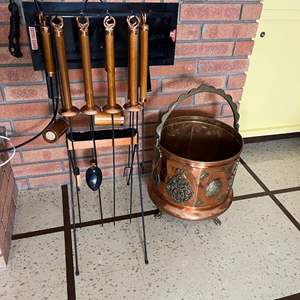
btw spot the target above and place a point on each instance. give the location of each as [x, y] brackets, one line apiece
[271, 137]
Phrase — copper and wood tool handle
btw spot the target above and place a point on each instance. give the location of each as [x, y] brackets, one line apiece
[133, 25]
[109, 24]
[144, 30]
[58, 24]
[46, 42]
[83, 26]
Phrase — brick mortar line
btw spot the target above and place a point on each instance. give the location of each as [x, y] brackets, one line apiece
[218, 22]
[106, 154]
[220, 2]
[66, 171]
[16, 65]
[214, 41]
[35, 101]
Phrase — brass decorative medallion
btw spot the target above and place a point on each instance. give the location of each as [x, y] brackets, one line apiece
[179, 188]
[213, 188]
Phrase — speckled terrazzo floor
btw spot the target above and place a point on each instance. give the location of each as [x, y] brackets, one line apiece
[254, 254]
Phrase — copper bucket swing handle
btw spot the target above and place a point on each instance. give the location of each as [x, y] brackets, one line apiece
[203, 88]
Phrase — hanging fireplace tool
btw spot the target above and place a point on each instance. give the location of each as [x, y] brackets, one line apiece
[93, 173]
[111, 107]
[144, 30]
[68, 111]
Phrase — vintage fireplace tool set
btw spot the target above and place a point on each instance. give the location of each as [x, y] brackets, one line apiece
[195, 157]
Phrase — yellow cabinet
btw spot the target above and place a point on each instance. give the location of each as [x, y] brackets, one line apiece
[271, 99]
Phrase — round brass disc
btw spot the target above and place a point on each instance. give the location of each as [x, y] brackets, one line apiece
[74, 111]
[112, 109]
[132, 108]
[89, 111]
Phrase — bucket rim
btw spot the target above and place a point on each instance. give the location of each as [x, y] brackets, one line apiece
[197, 163]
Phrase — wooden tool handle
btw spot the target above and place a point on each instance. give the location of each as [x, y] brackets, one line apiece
[83, 27]
[47, 48]
[109, 24]
[143, 58]
[133, 25]
[58, 25]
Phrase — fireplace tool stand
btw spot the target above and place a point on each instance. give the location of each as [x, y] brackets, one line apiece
[116, 137]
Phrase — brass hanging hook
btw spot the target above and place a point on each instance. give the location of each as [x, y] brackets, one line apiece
[109, 22]
[83, 23]
[133, 22]
[57, 24]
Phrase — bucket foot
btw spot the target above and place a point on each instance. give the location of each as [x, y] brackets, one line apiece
[158, 215]
[217, 221]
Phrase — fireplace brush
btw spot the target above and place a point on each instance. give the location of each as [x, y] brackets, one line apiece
[111, 107]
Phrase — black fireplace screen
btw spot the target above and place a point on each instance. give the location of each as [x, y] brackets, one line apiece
[162, 20]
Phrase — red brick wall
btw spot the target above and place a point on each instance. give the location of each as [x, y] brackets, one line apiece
[213, 44]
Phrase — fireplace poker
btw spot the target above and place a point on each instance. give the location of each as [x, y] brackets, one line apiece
[111, 107]
[144, 30]
[141, 192]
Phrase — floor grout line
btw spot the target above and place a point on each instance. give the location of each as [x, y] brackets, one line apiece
[272, 196]
[250, 196]
[286, 190]
[70, 280]
[50, 230]
[24, 235]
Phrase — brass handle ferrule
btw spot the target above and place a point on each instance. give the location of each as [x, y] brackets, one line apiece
[144, 30]
[68, 110]
[104, 119]
[83, 27]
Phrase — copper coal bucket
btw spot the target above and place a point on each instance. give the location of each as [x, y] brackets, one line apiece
[195, 160]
